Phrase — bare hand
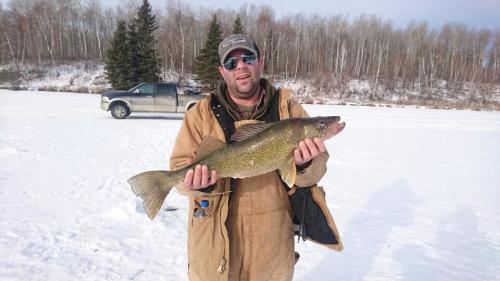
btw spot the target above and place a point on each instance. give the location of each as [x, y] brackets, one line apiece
[308, 150]
[198, 177]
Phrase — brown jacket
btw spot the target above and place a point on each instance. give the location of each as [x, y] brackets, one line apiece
[251, 238]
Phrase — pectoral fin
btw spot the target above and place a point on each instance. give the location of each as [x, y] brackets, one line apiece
[289, 172]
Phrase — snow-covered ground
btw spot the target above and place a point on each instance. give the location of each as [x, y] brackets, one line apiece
[415, 194]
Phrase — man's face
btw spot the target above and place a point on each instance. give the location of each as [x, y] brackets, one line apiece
[243, 80]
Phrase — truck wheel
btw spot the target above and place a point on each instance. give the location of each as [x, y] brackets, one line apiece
[119, 111]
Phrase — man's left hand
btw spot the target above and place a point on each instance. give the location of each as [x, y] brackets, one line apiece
[308, 150]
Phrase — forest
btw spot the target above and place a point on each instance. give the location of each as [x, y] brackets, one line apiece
[328, 51]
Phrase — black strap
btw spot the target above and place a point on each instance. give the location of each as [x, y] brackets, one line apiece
[223, 117]
[273, 110]
[227, 124]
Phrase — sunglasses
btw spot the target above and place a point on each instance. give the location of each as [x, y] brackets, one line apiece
[232, 62]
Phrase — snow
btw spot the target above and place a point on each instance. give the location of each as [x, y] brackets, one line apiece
[320, 88]
[414, 192]
[358, 86]
[77, 77]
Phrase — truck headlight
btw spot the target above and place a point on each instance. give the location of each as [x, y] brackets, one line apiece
[104, 99]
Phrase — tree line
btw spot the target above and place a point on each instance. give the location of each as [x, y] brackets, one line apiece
[293, 46]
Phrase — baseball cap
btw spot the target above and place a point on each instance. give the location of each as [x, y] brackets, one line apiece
[234, 42]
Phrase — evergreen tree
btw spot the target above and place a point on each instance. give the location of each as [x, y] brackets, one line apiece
[237, 26]
[132, 57]
[207, 62]
[116, 58]
[148, 65]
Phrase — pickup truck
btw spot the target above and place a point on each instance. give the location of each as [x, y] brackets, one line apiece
[148, 97]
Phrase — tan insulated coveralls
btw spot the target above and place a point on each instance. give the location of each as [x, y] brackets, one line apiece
[252, 237]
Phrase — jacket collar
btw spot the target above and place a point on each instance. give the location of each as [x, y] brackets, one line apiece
[222, 95]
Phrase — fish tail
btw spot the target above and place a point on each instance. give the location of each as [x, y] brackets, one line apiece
[153, 187]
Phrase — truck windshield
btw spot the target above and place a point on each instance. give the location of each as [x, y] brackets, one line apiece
[135, 87]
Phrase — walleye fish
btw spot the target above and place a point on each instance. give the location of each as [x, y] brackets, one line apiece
[258, 149]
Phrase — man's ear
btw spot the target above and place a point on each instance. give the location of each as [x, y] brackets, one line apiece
[221, 71]
[261, 65]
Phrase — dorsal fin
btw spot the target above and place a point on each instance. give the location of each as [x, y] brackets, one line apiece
[247, 130]
[208, 145]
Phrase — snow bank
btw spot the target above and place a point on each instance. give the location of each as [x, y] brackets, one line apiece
[75, 77]
[316, 89]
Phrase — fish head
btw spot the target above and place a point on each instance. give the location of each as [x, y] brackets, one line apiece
[323, 127]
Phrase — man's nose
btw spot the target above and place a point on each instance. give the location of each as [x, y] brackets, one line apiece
[240, 64]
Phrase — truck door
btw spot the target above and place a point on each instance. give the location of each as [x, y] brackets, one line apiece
[143, 98]
[166, 98]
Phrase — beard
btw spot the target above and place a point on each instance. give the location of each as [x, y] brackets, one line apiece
[244, 88]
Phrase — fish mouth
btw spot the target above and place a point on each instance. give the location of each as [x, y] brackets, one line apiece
[335, 128]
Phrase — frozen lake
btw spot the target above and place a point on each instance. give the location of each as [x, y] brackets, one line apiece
[415, 194]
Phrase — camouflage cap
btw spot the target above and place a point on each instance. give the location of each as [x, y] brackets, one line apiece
[234, 42]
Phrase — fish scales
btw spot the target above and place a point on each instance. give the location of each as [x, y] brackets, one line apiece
[258, 155]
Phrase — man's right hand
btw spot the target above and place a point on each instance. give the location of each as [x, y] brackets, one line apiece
[198, 177]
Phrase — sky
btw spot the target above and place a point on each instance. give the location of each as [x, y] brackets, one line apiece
[474, 13]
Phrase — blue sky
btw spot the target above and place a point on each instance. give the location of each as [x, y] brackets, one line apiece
[474, 13]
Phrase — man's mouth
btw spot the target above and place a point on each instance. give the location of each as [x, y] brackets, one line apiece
[242, 77]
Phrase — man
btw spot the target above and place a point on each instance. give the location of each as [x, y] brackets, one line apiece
[247, 233]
